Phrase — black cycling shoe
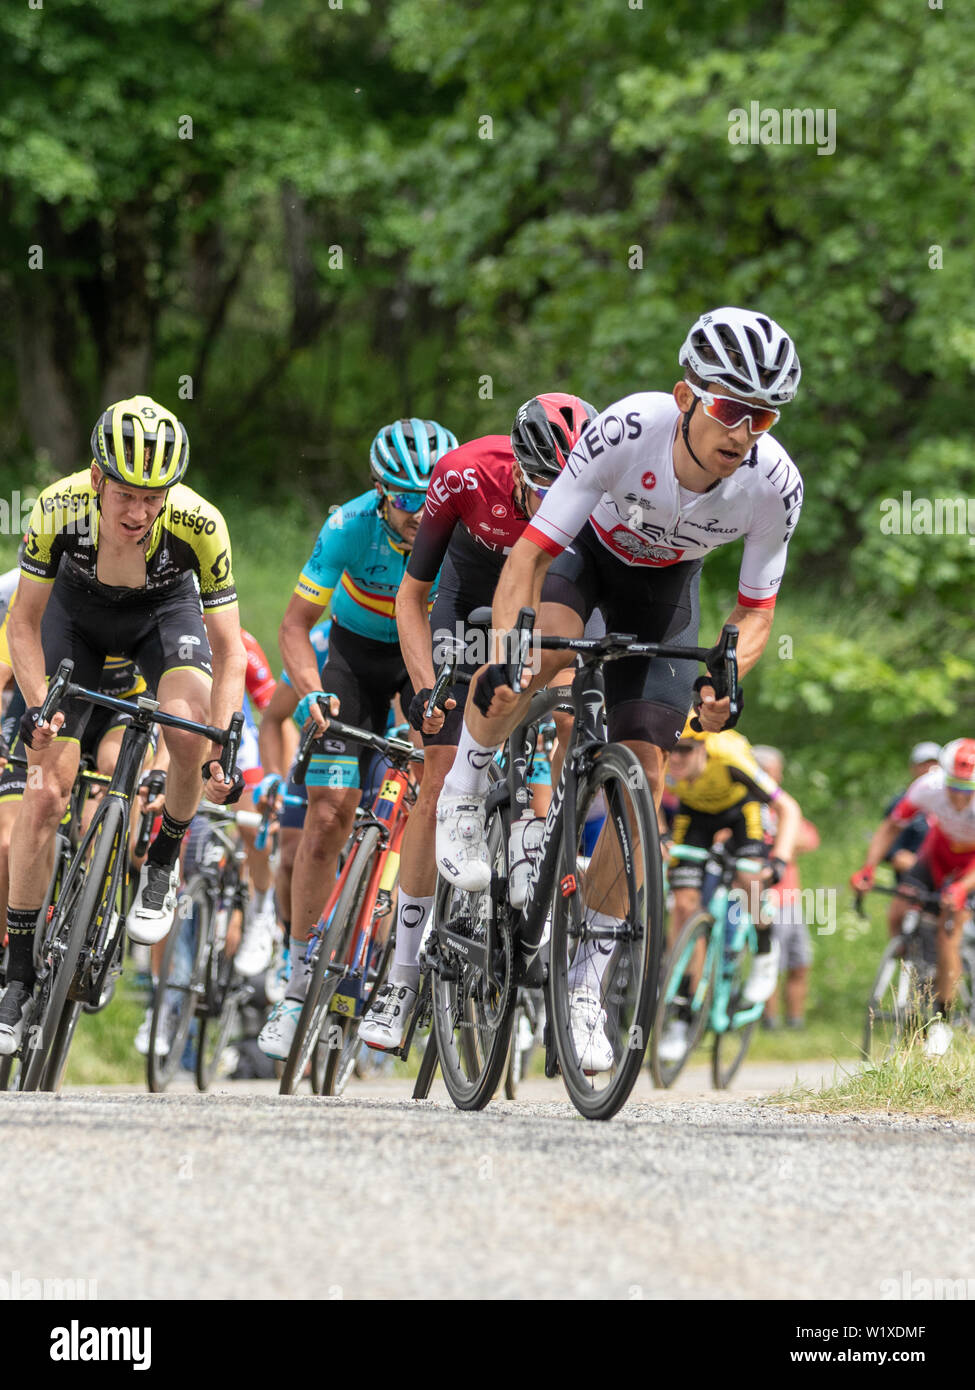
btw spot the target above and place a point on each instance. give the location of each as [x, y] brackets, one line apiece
[16, 1008]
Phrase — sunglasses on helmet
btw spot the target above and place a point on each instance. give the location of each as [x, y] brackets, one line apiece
[730, 412]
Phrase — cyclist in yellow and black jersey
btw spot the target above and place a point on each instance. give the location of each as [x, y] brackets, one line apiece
[721, 791]
[121, 559]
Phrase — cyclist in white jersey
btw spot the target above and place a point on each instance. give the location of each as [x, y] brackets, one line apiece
[653, 486]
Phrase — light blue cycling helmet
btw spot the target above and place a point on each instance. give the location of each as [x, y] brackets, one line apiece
[404, 453]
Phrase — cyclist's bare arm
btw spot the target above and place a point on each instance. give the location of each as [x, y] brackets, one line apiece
[883, 837]
[272, 736]
[229, 666]
[413, 626]
[754, 629]
[24, 637]
[297, 652]
[788, 823]
[520, 586]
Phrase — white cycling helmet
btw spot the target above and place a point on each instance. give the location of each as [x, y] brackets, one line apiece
[746, 352]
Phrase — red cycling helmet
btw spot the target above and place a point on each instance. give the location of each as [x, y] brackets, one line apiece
[545, 431]
[958, 764]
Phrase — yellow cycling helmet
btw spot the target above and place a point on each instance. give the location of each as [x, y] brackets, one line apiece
[698, 735]
[140, 443]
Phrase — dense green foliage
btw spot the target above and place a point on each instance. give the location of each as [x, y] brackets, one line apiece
[439, 206]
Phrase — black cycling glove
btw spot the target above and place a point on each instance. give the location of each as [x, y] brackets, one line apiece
[699, 685]
[418, 708]
[238, 783]
[29, 721]
[490, 679]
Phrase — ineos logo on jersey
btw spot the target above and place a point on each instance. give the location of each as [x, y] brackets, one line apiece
[450, 483]
[649, 481]
[479, 758]
[612, 429]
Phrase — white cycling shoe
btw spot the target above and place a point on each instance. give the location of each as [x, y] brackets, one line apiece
[587, 1020]
[462, 856]
[16, 1010]
[142, 1037]
[938, 1040]
[278, 1033]
[764, 977]
[256, 949]
[385, 1021]
[154, 906]
[673, 1044]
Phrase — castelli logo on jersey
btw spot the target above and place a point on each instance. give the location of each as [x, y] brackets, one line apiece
[649, 480]
[498, 510]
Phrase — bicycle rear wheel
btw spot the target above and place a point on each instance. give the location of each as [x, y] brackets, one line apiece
[680, 1001]
[473, 989]
[607, 935]
[89, 889]
[331, 953]
[180, 983]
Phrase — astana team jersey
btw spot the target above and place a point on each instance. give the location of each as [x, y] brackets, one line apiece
[356, 558]
[621, 475]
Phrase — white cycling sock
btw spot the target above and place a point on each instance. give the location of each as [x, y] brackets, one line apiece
[469, 772]
[593, 958]
[411, 919]
[298, 984]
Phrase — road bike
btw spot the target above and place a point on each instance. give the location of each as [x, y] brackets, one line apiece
[605, 911]
[902, 996]
[197, 980]
[706, 971]
[84, 931]
[350, 952]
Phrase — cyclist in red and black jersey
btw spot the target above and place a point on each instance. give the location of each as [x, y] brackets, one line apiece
[481, 497]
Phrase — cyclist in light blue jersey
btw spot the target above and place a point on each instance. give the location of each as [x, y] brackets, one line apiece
[357, 565]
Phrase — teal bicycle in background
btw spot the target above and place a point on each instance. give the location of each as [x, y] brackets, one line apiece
[705, 974]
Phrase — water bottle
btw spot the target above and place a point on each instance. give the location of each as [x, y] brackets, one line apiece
[524, 845]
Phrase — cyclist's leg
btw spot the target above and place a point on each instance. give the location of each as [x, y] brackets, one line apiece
[49, 779]
[173, 653]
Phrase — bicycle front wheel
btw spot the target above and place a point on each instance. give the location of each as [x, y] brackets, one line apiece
[329, 961]
[607, 936]
[88, 891]
[473, 986]
[682, 999]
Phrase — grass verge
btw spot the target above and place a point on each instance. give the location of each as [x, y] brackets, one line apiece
[908, 1082]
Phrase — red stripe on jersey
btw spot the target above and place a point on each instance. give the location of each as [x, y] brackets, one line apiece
[540, 539]
[756, 602]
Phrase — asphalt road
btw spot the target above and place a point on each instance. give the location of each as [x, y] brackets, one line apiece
[247, 1194]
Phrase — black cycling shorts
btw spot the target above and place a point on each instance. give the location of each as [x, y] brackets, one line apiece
[160, 631]
[699, 829]
[646, 700]
[365, 675]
